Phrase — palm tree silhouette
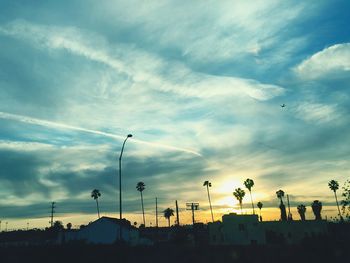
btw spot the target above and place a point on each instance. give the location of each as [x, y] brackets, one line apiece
[334, 186]
[239, 194]
[301, 210]
[95, 194]
[280, 195]
[260, 205]
[316, 209]
[168, 213]
[208, 184]
[140, 187]
[249, 183]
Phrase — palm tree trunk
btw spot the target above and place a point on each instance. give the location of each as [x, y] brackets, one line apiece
[211, 209]
[260, 215]
[336, 199]
[241, 208]
[251, 199]
[169, 221]
[143, 211]
[98, 209]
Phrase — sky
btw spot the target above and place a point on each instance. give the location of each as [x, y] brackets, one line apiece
[198, 84]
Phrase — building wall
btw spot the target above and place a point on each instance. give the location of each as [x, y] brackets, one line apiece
[293, 232]
[236, 230]
[246, 229]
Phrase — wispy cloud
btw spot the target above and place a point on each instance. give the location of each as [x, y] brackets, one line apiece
[331, 62]
[51, 124]
[317, 113]
[183, 82]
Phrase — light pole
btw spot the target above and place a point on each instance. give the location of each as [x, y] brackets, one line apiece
[120, 185]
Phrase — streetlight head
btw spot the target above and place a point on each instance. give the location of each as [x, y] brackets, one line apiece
[129, 135]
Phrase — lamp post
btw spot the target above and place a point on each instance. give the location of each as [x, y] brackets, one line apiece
[120, 185]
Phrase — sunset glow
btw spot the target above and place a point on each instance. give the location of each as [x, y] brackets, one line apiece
[237, 90]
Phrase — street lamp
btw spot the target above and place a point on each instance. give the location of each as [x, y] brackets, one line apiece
[120, 184]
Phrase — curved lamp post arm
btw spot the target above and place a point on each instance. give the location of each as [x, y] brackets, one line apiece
[122, 150]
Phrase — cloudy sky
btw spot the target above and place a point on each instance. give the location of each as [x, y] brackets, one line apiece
[199, 84]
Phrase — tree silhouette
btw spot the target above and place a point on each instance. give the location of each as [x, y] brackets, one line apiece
[57, 225]
[140, 187]
[301, 210]
[168, 213]
[95, 194]
[69, 226]
[208, 184]
[346, 201]
[249, 183]
[280, 195]
[334, 186]
[239, 194]
[316, 209]
[260, 205]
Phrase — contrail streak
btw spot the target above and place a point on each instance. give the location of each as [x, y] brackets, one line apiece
[40, 122]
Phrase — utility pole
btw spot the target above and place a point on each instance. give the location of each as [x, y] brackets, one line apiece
[192, 207]
[52, 212]
[290, 218]
[177, 213]
[156, 212]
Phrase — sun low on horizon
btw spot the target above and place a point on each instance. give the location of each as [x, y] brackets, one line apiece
[217, 91]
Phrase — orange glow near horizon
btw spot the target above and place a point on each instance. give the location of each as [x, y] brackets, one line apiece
[204, 216]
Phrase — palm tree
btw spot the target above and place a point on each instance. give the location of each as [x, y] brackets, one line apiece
[140, 187]
[280, 195]
[249, 183]
[260, 205]
[316, 209]
[334, 186]
[168, 213]
[239, 194]
[301, 211]
[208, 184]
[95, 194]
[345, 202]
